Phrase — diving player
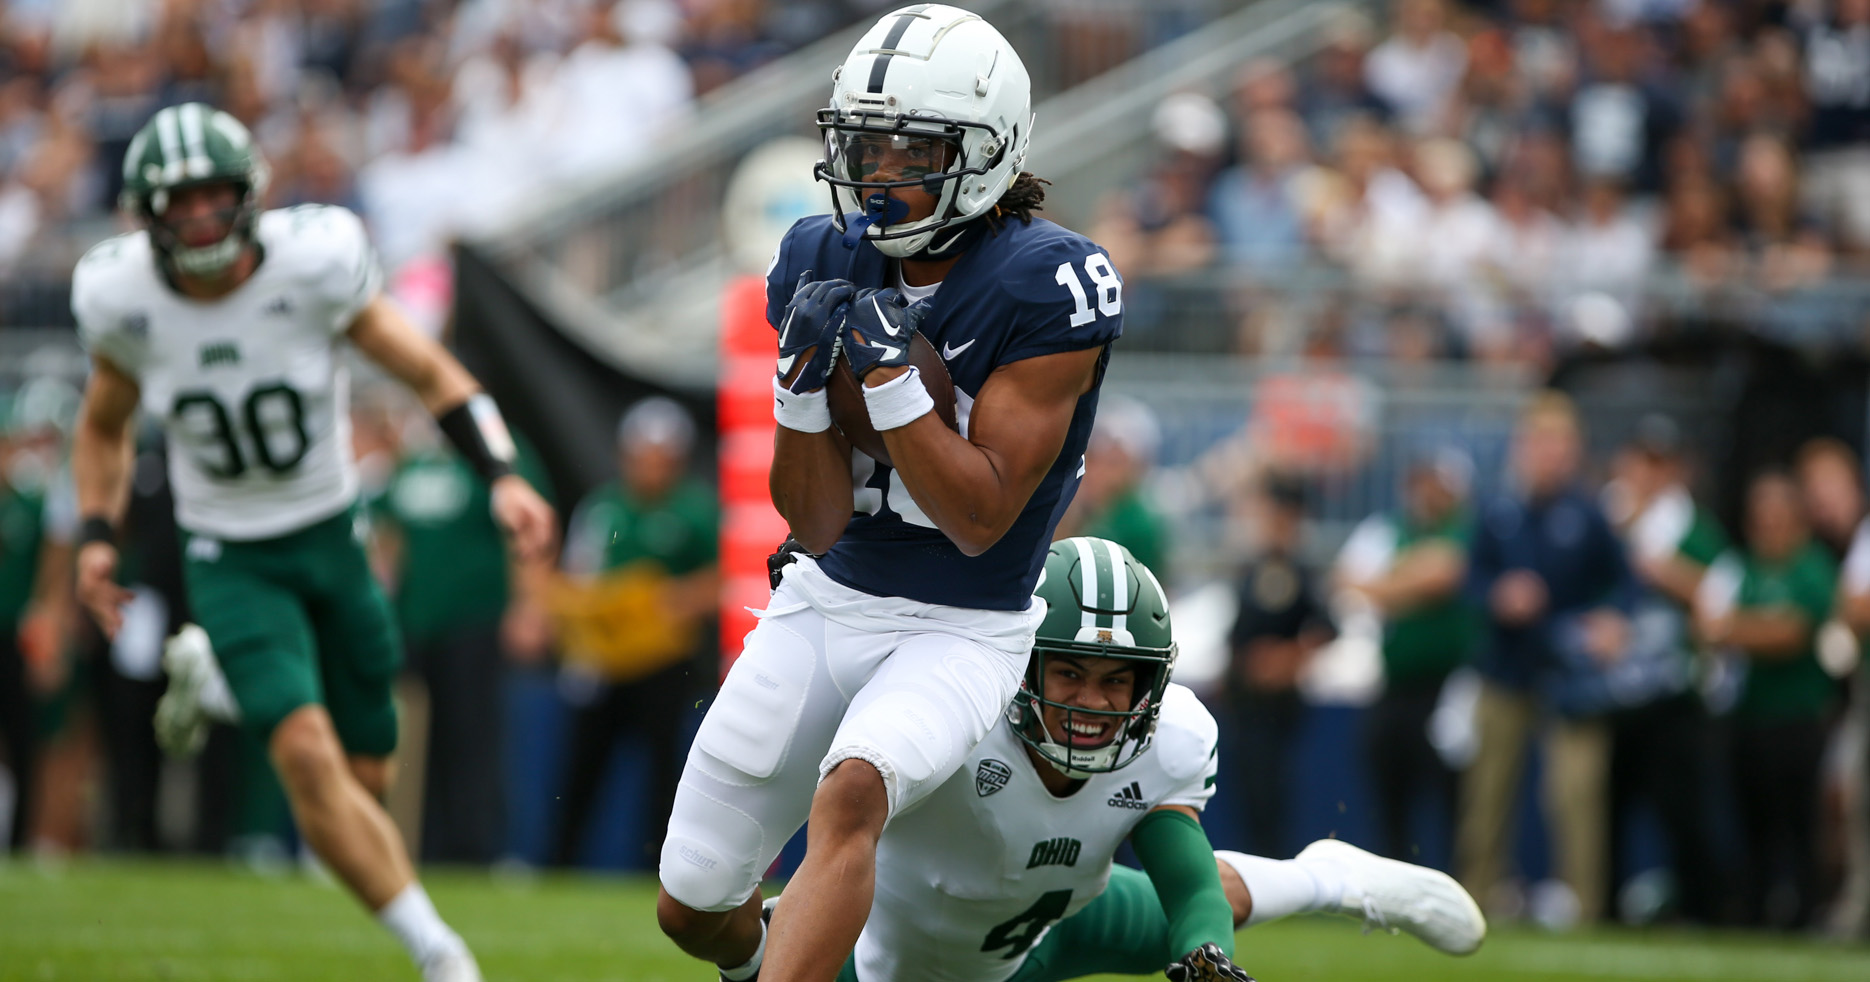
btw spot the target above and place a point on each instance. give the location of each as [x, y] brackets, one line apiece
[228, 325]
[1006, 871]
[893, 645]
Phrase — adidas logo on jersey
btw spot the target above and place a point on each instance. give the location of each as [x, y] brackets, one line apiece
[219, 353]
[1130, 797]
[1062, 851]
[280, 306]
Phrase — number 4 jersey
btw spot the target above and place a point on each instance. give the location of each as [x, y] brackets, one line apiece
[252, 387]
[1019, 292]
[969, 880]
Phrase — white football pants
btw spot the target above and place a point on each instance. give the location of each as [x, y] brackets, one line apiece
[830, 674]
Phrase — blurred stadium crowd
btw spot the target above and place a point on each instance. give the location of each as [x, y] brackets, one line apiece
[431, 117]
[1500, 183]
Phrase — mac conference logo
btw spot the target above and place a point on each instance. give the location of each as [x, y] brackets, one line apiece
[991, 776]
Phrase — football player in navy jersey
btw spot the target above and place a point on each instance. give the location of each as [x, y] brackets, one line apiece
[898, 637]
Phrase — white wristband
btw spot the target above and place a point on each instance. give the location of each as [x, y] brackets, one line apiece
[807, 412]
[898, 402]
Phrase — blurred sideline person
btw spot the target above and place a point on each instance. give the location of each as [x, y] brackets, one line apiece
[37, 526]
[1100, 748]
[1411, 566]
[1280, 621]
[901, 627]
[1767, 605]
[1830, 479]
[1544, 560]
[229, 325]
[1661, 743]
[463, 612]
[1111, 503]
[642, 553]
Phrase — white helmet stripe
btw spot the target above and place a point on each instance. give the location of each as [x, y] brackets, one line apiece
[1162, 596]
[194, 137]
[1119, 588]
[133, 157]
[1087, 580]
[170, 141]
[880, 68]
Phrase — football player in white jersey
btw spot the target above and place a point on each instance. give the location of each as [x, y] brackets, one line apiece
[1005, 872]
[228, 324]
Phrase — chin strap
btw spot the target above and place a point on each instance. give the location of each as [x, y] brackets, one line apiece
[879, 209]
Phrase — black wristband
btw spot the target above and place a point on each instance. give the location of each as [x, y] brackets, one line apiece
[477, 431]
[96, 528]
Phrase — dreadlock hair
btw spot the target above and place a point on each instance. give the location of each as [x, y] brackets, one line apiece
[1025, 196]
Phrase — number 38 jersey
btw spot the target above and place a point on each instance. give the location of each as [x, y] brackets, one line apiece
[969, 880]
[251, 388]
[1019, 292]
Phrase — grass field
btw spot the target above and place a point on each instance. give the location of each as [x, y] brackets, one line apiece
[98, 922]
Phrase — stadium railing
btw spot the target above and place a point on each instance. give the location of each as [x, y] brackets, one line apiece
[1349, 431]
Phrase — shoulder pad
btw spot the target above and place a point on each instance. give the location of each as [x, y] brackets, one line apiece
[313, 232]
[107, 286]
[1187, 737]
[1029, 256]
[327, 248]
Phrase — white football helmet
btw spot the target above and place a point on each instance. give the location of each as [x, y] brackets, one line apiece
[924, 75]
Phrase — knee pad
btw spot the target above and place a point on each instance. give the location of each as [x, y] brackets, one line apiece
[710, 859]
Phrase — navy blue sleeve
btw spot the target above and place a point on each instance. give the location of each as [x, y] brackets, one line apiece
[1613, 566]
[1246, 624]
[780, 279]
[1048, 315]
[1483, 560]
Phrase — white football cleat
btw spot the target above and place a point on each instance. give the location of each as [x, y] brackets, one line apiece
[1393, 895]
[181, 722]
[456, 966]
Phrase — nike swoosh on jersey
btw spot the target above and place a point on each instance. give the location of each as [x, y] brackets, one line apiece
[949, 351]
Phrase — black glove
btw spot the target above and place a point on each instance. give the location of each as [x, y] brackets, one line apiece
[1206, 964]
[811, 325]
[788, 553]
[877, 330]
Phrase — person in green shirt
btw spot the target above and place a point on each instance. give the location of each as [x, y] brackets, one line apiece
[1410, 567]
[652, 536]
[1659, 738]
[1785, 585]
[35, 596]
[462, 619]
[1111, 502]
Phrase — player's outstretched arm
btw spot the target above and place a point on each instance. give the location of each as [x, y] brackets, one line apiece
[100, 465]
[974, 488]
[1175, 853]
[468, 417]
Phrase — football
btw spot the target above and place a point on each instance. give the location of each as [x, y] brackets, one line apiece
[852, 416]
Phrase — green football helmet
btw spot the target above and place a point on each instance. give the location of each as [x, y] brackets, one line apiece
[1101, 603]
[187, 145]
